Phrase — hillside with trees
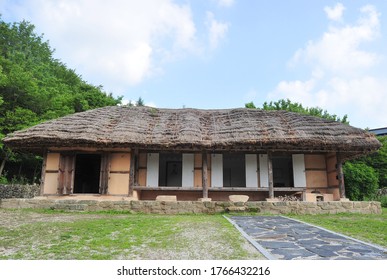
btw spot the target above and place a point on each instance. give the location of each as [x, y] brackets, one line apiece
[36, 87]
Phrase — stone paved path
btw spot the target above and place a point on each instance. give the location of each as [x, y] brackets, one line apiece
[287, 239]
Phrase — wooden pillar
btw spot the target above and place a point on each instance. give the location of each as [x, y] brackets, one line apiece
[43, 175]
[136, 167]
[270, 169]
[104, 174]
[205, 175]
[133, 154]
[340, 176]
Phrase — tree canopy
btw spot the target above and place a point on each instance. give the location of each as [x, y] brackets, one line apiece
[290, 106]
[35, 87]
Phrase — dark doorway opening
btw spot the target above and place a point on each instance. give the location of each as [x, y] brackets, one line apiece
[234, 170]
[283, 171]
[87, 173]
[171, 170]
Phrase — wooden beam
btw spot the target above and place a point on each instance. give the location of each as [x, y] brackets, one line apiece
[270, 168]
[340, 176]
[43, 175]
[132, 172]
[205, 175]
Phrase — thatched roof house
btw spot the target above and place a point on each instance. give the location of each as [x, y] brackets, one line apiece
[149, 144]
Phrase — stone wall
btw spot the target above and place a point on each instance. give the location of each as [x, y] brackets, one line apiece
[19, 191]
[189, 207]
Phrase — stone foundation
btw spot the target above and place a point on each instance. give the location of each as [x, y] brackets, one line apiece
[196, 207]
[19, 191]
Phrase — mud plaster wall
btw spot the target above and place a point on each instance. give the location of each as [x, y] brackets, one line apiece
[51, 173]
[119, 170]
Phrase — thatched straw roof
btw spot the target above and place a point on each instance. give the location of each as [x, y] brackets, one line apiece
[194, 129]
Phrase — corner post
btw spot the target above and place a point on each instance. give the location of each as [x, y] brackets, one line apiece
[43, 175]
[133, 155]
[270, 168]
[205, 174]
[340, 176]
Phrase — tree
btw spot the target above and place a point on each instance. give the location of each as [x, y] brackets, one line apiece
[35, 87]
[290, 106]
[378, 161]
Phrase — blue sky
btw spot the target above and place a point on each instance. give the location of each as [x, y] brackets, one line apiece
[224, 53]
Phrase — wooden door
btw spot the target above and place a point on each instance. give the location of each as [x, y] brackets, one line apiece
[66, 174]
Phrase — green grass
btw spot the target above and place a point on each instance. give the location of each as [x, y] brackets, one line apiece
[119, 236]
[370, 228]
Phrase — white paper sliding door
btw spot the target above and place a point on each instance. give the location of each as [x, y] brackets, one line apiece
[152, 174]
[251, 171]
[299, 171]
[216, 170]
[263, 171]
[188, 170]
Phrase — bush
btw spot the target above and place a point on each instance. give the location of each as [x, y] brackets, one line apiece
[361, 181]
[381, 196]
[383, 200]
[3, 180]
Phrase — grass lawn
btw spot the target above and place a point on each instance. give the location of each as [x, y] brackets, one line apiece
[370, 228]
[29, 234]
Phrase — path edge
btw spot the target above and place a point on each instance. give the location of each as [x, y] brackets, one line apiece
[262, 250]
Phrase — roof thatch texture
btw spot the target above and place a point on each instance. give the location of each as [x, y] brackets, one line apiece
[194, 129]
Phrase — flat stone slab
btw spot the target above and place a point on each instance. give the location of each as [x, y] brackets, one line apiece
[293, 240]
[166, 198]
[238, 198]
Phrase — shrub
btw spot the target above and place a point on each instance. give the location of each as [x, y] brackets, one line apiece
[361, 181]
[3, 180]
[383, 200]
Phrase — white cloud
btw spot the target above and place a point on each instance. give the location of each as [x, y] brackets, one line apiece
[250, 95]
[343, 77]
[225, 3]
[335, 13]
[217, 30]
[338, 50]
[117, 43]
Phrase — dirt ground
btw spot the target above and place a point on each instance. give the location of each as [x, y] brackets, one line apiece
[16, 218]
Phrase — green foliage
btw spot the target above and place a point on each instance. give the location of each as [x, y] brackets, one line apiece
[3, 180]
[290, 106]
[35, 87]
[250, 105]
[383, 200]
[140, 102]
[361, 181]
[378, 161]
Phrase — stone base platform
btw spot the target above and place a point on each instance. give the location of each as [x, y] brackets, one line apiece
[186, 207]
